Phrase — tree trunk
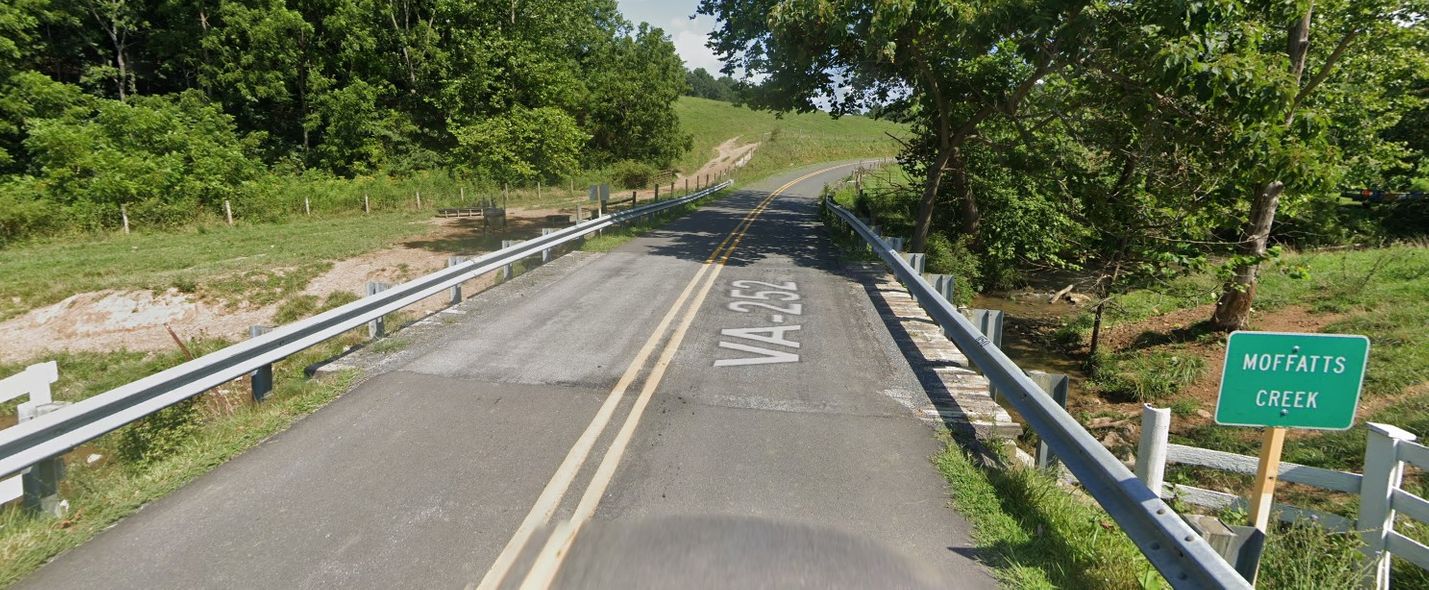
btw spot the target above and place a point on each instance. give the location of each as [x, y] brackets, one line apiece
[1233, 309]
[971, 218]
[930, 198]
[1095, 347]
[123, 72]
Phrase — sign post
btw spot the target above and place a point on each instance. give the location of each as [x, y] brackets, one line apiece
[1283, 380]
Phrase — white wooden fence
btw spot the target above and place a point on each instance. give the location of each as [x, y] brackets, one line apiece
[1387, 451]
[34, 382]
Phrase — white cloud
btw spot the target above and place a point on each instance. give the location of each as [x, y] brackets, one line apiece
[690, 36]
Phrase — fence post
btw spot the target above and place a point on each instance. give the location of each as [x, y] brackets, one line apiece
[366, 206]
[124, 213]
[40, 483]
[228, 211]
[307, 206]
[687, 185]
[376, 328]
[456, 289]
[657, 192]
[260, 381]
[1383, 472]
[1151, 451]
[1057, 386]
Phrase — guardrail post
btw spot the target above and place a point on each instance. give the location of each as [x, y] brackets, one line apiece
[1151, 451]
[943, 284]
[989, 323]
[546, 252]
[915, 259]
[376, 328]
[456, 289]
[509, 269]
[41, 482]
[895, 243]
[1056, 385]
[260, 381]
[1383, 472]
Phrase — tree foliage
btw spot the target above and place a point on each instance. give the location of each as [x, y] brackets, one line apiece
[226, 89]
[705, 85]
[1139, 139]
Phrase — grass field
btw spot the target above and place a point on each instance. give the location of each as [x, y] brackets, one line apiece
[259, 263]
[787, 141]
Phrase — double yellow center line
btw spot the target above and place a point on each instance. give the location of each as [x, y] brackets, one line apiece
[548, 562]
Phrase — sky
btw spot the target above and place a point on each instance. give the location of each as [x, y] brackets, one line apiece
[688, 35]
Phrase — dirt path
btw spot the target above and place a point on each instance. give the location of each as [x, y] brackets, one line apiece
[728, 156]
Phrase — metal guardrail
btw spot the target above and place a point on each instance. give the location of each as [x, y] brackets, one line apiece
[54, 434]
[1173, 547]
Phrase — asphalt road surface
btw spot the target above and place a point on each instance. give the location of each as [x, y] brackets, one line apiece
[708, 406]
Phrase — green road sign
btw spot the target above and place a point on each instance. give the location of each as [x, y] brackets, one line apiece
[1292, 380]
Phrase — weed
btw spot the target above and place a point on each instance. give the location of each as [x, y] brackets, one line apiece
[388, 345]
[1037, 534]
[1184, 407]
[159, 434]
[1142, 377]
[304, 306]
[1304, 555]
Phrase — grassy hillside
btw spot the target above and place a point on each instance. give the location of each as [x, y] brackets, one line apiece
[791, 140]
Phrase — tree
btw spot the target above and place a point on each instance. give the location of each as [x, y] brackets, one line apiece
[962, 65]
[524, 146]
[1298, 152]
[633, 112]
[704, 85]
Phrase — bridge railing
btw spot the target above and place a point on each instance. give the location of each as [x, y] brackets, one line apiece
[49, 436]
[1169, 543]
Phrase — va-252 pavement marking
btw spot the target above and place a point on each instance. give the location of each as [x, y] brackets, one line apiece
[743, 292]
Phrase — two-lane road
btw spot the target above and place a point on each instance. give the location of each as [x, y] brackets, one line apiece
[707, 406]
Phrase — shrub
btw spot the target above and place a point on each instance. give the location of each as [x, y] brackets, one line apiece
[632, 174]
[953, 258]
[162, 156]
[24, 211]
